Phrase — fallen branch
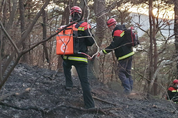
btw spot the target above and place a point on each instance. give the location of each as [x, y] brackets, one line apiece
[23, 108]
[104, 101]
[13, 93]
[98, 110]
[48, 110]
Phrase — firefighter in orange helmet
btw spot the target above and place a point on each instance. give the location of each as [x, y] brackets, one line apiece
[173, 91]
[82, 38]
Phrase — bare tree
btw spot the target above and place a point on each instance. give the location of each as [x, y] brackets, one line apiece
[18, 45]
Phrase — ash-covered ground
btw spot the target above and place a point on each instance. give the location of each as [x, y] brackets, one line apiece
[33, 92]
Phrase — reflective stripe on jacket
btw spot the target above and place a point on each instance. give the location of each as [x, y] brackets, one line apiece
[174, 91]
[126, 56]
[72, 58]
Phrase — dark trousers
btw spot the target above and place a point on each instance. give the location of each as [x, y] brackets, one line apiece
[125, 74]
[81, 68]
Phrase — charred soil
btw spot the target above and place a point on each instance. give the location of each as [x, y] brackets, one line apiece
[33, 92]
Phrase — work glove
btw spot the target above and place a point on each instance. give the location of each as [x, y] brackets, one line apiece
[99, 53]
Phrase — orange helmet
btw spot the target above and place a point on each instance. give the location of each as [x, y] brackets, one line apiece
[175, 81]
[111, 22]
[75, 9]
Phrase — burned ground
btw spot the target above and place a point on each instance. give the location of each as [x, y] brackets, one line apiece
[33, 92]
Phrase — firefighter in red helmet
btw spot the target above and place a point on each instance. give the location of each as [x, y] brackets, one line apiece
[82, 39]
[111, 22]
[75, 9]
[123, 53]
[75, 13]
[173, 91]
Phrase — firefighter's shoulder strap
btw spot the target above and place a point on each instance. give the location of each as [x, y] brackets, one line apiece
[82, 26]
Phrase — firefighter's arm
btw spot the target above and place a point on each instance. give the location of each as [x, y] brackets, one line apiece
[89, 40]
[117, 40]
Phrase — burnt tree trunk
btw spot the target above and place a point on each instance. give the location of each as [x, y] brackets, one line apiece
[176, 29]
[30, 53]
[99, 7]
[22, 24]
[45, 54]
[4, 14]
[150, 75]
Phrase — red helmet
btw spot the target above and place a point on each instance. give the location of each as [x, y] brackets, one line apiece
[175, 81]
[75, 9]
[111, 22]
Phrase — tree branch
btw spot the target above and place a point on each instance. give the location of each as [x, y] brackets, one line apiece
[104, 101]
[8, 36]
[25, 36]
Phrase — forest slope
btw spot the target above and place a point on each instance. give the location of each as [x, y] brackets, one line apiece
[33, 92]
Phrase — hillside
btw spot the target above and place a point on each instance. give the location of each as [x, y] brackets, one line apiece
[33, 92]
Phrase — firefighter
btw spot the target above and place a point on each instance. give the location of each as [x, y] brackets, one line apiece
[82, 39]
[123, 54]
[173, 91]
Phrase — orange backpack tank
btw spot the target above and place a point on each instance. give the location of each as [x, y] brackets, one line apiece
[65, 41]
